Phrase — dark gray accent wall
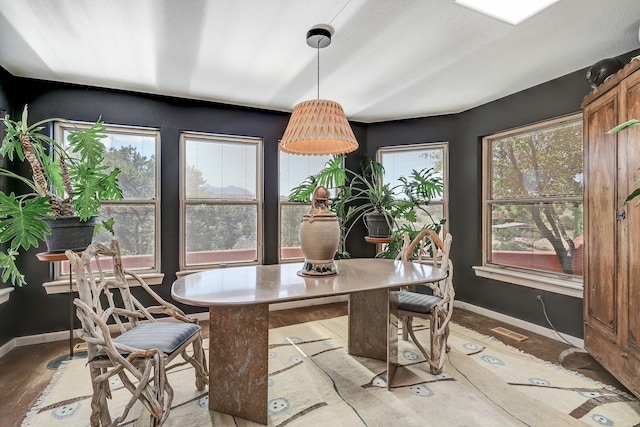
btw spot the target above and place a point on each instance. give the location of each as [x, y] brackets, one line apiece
[559, 97]
[5, 83]
[464, 132]
[31, 311]
[37, 312]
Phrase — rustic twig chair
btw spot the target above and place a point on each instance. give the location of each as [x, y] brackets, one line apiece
[141, 354]
[438, 307]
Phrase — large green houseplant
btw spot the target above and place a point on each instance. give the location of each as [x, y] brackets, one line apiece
[356, 195]
[369, 196]
[64, 181]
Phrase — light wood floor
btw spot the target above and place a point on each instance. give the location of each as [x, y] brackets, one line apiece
[24, 373]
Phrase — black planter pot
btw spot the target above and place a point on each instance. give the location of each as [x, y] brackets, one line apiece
[69, 233]
[378, 225]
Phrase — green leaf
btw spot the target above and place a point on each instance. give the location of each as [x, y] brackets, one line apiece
[633, 195]
[332, 176]
[108, 224]
[54, 173]
[110, 190]
[303, 192]
[92, 186]
[11, 143]
[629, 124]
[9, 268]
[88, 144]
[22, 223]
[85, 201]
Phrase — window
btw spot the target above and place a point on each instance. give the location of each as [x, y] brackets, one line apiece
[135, 151]
[401, 161]
[294, 169]
[221, 200]
[533, 199]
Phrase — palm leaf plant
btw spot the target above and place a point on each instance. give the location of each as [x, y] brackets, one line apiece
[63, 182]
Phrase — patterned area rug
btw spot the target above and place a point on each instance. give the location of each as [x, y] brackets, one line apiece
[314, 382]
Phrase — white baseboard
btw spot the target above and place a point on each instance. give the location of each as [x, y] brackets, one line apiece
[549, 333]
[204, 316]
[34, 339]
[7, 347]
[540, 330]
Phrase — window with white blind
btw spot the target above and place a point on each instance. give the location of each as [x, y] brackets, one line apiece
[221, 200]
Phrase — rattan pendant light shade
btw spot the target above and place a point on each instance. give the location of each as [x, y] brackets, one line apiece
[319, 126]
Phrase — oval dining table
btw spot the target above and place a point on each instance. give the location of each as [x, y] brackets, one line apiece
[238, 299]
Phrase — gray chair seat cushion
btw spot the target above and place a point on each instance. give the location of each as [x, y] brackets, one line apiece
[418, 303]
[165, 336]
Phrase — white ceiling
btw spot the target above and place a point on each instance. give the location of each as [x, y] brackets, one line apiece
[388, 59]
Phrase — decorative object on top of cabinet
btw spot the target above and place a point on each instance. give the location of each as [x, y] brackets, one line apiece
[599, 72]
[611, 227]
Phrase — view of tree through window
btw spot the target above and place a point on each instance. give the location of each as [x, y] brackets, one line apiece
[534, 197]
[134, 152]
[220, 199]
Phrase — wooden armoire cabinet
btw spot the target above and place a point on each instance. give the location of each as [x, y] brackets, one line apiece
[612, 228]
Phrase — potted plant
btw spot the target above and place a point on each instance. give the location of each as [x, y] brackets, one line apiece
[381, 205]
[365, 195]
[65, 185]
[374, 199]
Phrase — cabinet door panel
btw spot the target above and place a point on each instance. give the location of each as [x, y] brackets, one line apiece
[612, 228]
[601, 170]
[632, 260]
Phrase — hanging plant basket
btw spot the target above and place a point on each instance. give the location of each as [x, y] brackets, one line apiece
[69, 233]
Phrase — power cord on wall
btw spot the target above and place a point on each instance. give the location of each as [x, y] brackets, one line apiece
[544, 311]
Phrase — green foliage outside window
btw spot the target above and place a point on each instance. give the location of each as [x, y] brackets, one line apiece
[536, 191]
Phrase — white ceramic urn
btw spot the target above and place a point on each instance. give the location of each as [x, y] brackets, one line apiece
[319, 236]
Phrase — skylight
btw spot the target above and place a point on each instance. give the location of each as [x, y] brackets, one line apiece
[510, 11]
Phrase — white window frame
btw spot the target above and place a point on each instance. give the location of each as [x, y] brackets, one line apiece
[547, 281]
[444, 146]
[153, 276]
[258, 142]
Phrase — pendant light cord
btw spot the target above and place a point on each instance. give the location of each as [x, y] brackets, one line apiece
[318, 50]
